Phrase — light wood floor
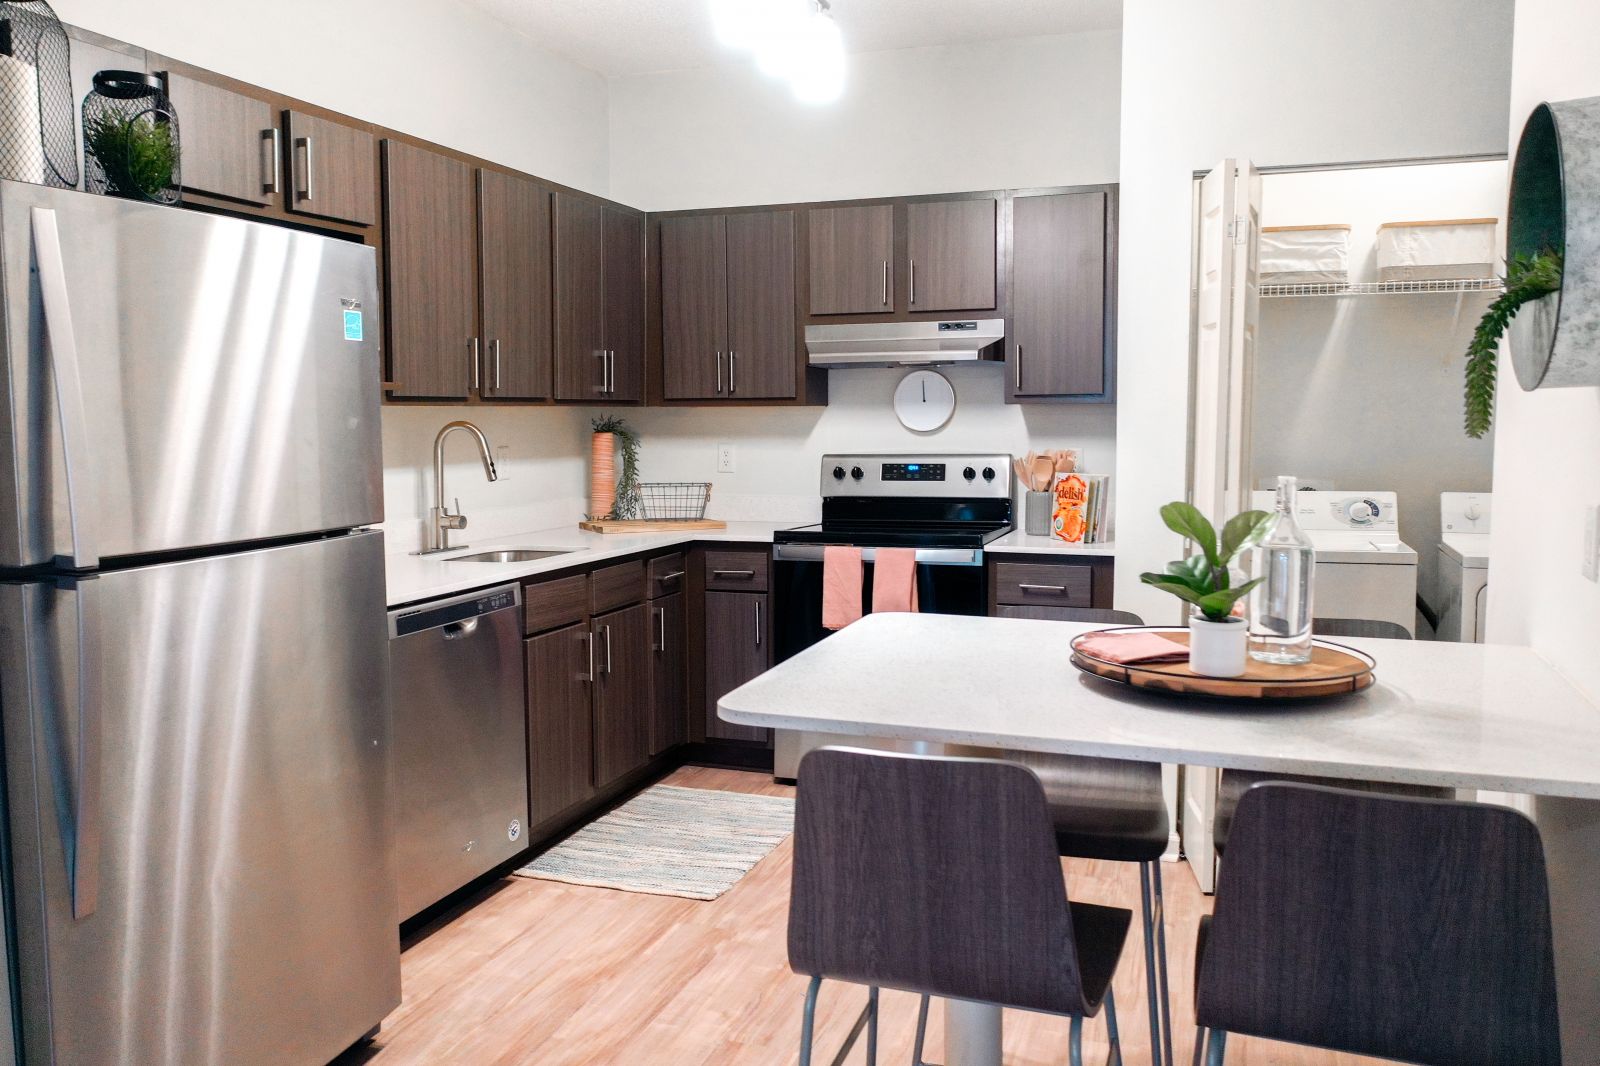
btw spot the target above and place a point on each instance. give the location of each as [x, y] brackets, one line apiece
[539, 972]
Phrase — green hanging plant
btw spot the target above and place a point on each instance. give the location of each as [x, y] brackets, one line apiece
[627, 501]
[137, 153]
[1528, 278]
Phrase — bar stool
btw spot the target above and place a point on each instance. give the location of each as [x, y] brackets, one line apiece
[1234, 783]
[940, 876]
[1111, 809]
[1402, 928]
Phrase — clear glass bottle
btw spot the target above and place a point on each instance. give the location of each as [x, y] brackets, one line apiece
[1280, 607]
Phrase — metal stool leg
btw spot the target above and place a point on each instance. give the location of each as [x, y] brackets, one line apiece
[1216, 1047]
[1114, 1056]
[808, 1021]
[1075, 1051]
[1161, 961]
[872, 1026]
[1152, 994]
[1200, 1032]
[922, 1031]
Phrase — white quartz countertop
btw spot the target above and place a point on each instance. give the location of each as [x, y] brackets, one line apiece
[1463, 715]
[414, 578]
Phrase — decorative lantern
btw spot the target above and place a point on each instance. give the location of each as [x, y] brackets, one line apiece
[130, 138]
[38, 142]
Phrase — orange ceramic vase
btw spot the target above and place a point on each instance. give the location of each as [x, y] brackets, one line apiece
[602, 475]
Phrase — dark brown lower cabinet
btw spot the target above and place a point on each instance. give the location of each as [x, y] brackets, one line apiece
[560, 723]
[669, 724]
[738, 625]
[622, 711]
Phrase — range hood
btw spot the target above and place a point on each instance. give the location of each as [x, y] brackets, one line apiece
[965, 340]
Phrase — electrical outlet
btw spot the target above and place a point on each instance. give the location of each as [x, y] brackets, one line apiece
[1591, 542]
[502, 461]
[724, 458]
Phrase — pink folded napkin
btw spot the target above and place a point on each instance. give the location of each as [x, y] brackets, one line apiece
[1133, 647]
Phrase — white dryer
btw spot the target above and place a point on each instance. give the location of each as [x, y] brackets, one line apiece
[1364, 569]
[1463, 565]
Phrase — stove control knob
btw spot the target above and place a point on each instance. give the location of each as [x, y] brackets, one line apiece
[838, 473]
[988, 473]
[856, 473]
[969, 473]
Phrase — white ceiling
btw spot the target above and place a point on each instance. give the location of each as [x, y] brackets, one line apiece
[619, 37]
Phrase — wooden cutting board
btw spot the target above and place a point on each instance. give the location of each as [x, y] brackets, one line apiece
[1333, 670]
[641, 525]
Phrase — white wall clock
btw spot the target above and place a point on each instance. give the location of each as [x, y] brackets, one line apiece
[924, 401]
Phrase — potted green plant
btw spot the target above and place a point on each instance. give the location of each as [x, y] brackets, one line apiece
[1217, 636]
[1528, 278]
[136, 154]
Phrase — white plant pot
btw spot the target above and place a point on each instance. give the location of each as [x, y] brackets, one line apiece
[1217, 649]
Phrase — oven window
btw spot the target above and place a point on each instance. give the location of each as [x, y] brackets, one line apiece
[797, 598]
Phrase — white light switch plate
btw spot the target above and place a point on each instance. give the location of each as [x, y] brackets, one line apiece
[1591, 542]
[724, 458]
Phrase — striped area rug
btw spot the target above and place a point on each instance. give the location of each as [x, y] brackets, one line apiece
[671, 841]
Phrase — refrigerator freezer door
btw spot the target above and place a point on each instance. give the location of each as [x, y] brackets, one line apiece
[173, 380]
[243, 895]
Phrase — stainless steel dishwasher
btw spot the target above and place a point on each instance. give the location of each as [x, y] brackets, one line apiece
[460, 741]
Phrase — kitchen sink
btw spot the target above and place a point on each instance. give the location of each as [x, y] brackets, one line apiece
[511, 555]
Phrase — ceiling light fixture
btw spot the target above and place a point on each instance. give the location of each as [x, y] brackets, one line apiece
[795, 41]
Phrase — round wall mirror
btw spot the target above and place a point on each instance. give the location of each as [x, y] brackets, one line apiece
[924, 401]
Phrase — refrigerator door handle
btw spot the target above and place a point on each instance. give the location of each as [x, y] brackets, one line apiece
[69, 384]
[76, 780]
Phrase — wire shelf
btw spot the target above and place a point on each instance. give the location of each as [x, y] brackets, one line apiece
[1382, 288]
[674, 501]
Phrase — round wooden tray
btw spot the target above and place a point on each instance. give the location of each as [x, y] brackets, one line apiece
[1334, 670]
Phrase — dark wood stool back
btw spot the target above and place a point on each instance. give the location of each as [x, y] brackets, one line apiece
[1410, 929]
[934, 875]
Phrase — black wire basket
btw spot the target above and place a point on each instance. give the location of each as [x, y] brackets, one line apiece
[38, 139]
[131, 147]
[674, 501]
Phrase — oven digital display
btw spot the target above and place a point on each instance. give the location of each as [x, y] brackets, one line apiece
[913, 471]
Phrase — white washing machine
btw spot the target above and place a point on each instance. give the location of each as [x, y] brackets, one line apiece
[1463, 565]
[1364, 569]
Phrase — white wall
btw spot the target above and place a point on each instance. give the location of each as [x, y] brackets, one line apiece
[1366, 391]
[1545, 442]
[1277, 83]
[443, 72]
[989, 114]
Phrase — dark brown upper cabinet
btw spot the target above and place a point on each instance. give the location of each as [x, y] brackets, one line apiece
[514, 248]
[599, 302]
[331, 171]
[430, 250]
[852, 257]
[951, 251]
[727, 306]
[1062, 261]
[232, 146]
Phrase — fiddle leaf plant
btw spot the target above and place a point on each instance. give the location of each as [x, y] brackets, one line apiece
[1528, 278]
[1203, 580]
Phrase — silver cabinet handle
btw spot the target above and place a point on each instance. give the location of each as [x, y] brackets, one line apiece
[473, 363]
[731, 386]
[607, 629]
[272, 166]
[304, 144]
[661, 629]
[758, 623]
[675, 575]
[494, 346]
[588, 640]
[1019, 366]
[733, 573]
[913, 281]
[719, 372]
[611, 371]
[70, 407]
[886, 283]
[601, 354]
[1041, 588]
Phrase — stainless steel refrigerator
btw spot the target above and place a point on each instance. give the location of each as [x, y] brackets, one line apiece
[193, 649]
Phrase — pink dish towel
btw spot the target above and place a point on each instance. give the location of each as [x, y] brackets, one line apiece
[841, 586]
[894, 580]
[1124, 648]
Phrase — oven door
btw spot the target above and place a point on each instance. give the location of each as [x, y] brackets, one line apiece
[949, 581]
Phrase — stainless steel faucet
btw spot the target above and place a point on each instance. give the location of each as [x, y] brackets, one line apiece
[440, 520]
